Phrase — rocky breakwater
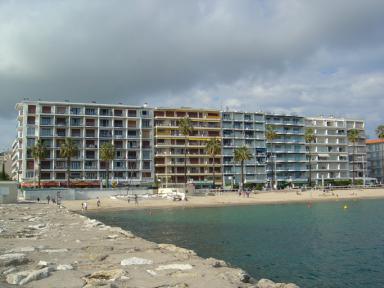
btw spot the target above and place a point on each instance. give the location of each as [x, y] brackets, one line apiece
[48, 246]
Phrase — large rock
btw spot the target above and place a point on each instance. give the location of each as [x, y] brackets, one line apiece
[13, 259]
[135, 261]
[175, 266]
[173, 248]
[36, 275]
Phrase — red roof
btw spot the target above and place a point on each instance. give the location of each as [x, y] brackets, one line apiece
[374, 141]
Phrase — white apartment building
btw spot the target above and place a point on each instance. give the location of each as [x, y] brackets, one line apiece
[90, 125]
[331, 152]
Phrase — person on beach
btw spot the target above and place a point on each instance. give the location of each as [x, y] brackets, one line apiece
[136, 199]
[82, 206]
[85, 206]
[48, 199]
[98, 202]
[38, 199]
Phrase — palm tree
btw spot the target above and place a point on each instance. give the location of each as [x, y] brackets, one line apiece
[39, 152]
[213, 148]
[353, 136]
[68, 150]
[380, 134]
[270, 135]
[242, 154]
[309, 137]
[107, 154]
[185, 128]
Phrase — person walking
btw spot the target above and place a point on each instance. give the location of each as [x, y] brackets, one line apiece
[98, 202]
[136, 199]
[48, 199]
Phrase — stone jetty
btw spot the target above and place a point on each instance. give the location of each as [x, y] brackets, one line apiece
[49, 246]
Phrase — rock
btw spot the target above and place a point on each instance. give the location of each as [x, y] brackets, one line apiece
[112, 236]
[13, 259]
[55, 250]
[290, 285]
[244, 277]
[266, 283]
[36, 275]
[135, 261]
[64, 267]
[151, 272]
[173, 248]
[10, 270]
[103, 277]
[22, 249]
[174, 267]
[216, 263]
[15, 278]
[43, 264]
[37, 226]
[127, 234]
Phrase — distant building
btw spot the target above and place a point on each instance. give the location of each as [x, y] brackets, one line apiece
[243, 129]
[170, 145]
[375, 155]
[90, 125]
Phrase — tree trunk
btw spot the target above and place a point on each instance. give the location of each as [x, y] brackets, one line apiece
[310, 167]
[68, 171]
[353, 165]
[273, 168]
[39, 174]
[107, 176]
[242, 175]
[185, 164]
[213, 171]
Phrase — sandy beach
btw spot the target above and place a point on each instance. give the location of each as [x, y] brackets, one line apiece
[229, 198]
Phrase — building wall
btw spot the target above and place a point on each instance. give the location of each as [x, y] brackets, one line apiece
[170, 143]
[243, 129]
[129, 128]
[375, 156]
[288, 148]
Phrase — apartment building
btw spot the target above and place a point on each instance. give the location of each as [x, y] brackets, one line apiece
[286, 153]
[243, 129]
[375, 157]
[357, 152]
[331, 152]
[170, 145]
[90, 125]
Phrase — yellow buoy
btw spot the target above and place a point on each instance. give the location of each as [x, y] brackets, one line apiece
[345, 207]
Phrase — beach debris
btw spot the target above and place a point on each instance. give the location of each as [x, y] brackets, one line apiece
[174, 266]
[135, 261]
[13, 259]
[24, 277]
[174, 248]
[64, 267]
[62, 250]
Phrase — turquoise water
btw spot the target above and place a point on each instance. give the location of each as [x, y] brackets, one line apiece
[319, 246]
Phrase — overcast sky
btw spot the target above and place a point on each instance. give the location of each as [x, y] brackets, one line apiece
[314, 57]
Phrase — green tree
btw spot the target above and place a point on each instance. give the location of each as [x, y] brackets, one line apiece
[68, 150]
[353, 137]
[270, 135]
[213, 148]
[107, 154]
[309, 137]
[242, 154]
[380, 134]
[39, 152]
[185, 128]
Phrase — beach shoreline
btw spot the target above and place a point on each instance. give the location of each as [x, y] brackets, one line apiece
[229, 199]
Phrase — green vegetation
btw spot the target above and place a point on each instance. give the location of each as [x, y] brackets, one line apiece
[68, 150]
[213, 148]
[309, 137]
[242, 154]
[39, 152]
[185, 128]
[107, 154]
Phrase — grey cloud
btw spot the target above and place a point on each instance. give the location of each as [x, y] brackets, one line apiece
[179, 52]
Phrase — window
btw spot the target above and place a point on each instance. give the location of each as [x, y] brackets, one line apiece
[75, 110]
[146, 123]
[46, 132]
[31, 131]
[30, 142]
[90, 111]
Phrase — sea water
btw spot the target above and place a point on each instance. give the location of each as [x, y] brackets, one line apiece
[334, 244]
